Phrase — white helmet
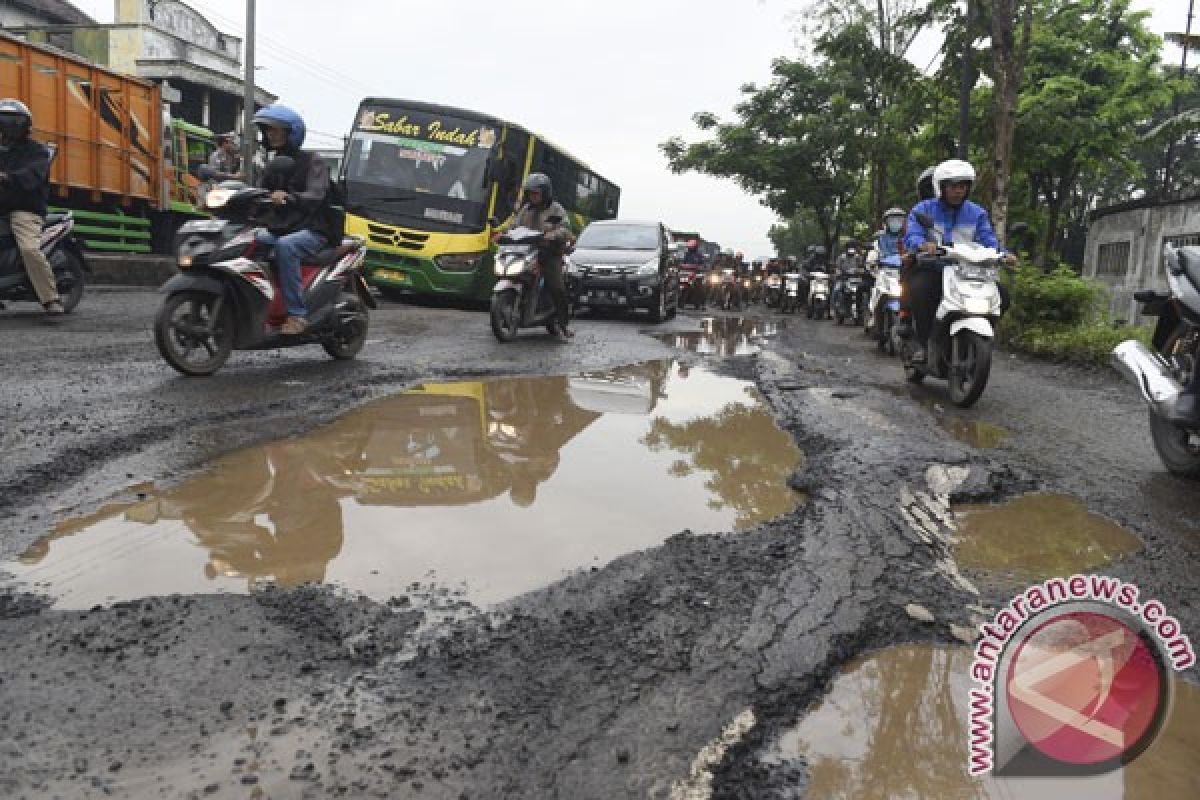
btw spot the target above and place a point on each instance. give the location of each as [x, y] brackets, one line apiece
[953, 170]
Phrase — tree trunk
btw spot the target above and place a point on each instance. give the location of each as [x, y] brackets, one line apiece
[1009, 68]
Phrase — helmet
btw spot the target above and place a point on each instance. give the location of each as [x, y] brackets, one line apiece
[952, 171]
[15, 119]
[893, 219]
[278, 116]
[925, 190]
[541, 182]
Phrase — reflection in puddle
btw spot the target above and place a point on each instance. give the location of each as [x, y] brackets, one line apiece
[1039, 536]
[503, 485]
[894, 725]
[724, 336]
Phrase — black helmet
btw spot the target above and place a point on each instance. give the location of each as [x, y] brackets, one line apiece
[539, 181]
[925, 190]
[15, 119]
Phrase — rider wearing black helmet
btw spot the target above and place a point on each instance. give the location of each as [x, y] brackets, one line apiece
[24, 191]
[540, 212]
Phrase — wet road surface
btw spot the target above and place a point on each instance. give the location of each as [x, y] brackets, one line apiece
[688, 669]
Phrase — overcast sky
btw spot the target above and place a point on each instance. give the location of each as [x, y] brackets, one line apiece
[607, 80]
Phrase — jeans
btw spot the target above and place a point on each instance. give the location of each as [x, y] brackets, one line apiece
[290, 250]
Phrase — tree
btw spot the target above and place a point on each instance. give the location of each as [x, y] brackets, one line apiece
[1008, 58]
[799, 142]
[1093, 77]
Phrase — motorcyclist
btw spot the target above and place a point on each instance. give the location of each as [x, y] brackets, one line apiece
[693, 256]
[955, 219]
[24, 192]
[888, 241]
[848, 263]
[225, 160]
[540, 212]
[302, 221]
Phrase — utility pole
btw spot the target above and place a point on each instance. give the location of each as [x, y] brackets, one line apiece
[1178, 106]
[968, 82]
[248, 132]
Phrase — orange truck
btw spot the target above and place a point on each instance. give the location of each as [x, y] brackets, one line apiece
[116, 144]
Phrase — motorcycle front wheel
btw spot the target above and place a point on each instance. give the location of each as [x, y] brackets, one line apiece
[505, 315]
[350, 334]
[194, 332]
[1173, 443]
[970, 366]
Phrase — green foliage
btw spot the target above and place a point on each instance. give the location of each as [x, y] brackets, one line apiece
[1058, 315]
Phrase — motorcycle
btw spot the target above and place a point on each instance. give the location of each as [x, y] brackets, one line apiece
[818, 295]
[731, 291]
[883, 307]
[692, 287]
[228, 296]
[959, 349]
[1162, 373]
[754, 289]
[848, 304]
[774, 290]
[789, 298]
[61, 250]
[520, 298]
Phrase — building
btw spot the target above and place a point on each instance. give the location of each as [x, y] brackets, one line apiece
[165, 41]
[1125, 244]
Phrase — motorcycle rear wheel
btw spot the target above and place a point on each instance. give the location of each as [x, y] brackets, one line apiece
[351, 332]
[970, 367]
[205, 325]
[504, 316]
[1171, 442]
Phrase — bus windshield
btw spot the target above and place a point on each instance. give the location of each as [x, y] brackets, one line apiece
[431, 168]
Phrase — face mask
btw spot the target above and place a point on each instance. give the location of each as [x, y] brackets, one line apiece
[894, 225]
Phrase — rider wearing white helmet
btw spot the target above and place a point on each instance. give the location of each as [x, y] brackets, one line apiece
[955, 219]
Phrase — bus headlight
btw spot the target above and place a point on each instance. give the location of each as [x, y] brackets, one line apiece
[458, 262]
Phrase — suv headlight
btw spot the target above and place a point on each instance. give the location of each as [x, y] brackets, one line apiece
[458, 262]
[649, 268]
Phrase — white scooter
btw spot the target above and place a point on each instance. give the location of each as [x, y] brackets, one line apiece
[789, 299]
[883, 308]
[959, 349]
[818, 295]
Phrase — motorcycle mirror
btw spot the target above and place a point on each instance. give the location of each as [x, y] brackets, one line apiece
[1018, 228]
[925, 220]
[555, 220]
[493, 222]
[205, 173]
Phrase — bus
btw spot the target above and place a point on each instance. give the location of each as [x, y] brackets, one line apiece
[423, 182]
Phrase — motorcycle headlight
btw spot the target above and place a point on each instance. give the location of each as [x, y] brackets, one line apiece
[976, 272]
[458, 262]
[513, 265]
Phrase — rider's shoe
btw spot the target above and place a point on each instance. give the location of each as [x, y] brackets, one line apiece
[294, 326]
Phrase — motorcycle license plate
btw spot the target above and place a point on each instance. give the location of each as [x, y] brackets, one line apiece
[392, 275]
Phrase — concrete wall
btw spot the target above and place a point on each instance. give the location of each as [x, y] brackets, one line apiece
[1144, 229]
[182, 21]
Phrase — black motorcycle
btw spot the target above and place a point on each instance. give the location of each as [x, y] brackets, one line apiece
[848, 297]
[61, 250]
[228, 294]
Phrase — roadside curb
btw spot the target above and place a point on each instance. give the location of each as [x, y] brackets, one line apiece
[128, 269]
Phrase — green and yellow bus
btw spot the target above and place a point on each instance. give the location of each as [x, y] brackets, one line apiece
[422, 182]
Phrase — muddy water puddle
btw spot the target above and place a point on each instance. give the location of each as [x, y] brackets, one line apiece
[725, 336]
[491, 488]
[894, 725]
[1038, 536]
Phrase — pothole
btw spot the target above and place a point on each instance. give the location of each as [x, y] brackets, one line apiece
[1038, 536]
[725, 336]
[894, 725]
[974, 432]
[489, 488]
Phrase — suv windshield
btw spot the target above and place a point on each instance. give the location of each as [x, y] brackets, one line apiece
[409, 164]
[619, 237]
